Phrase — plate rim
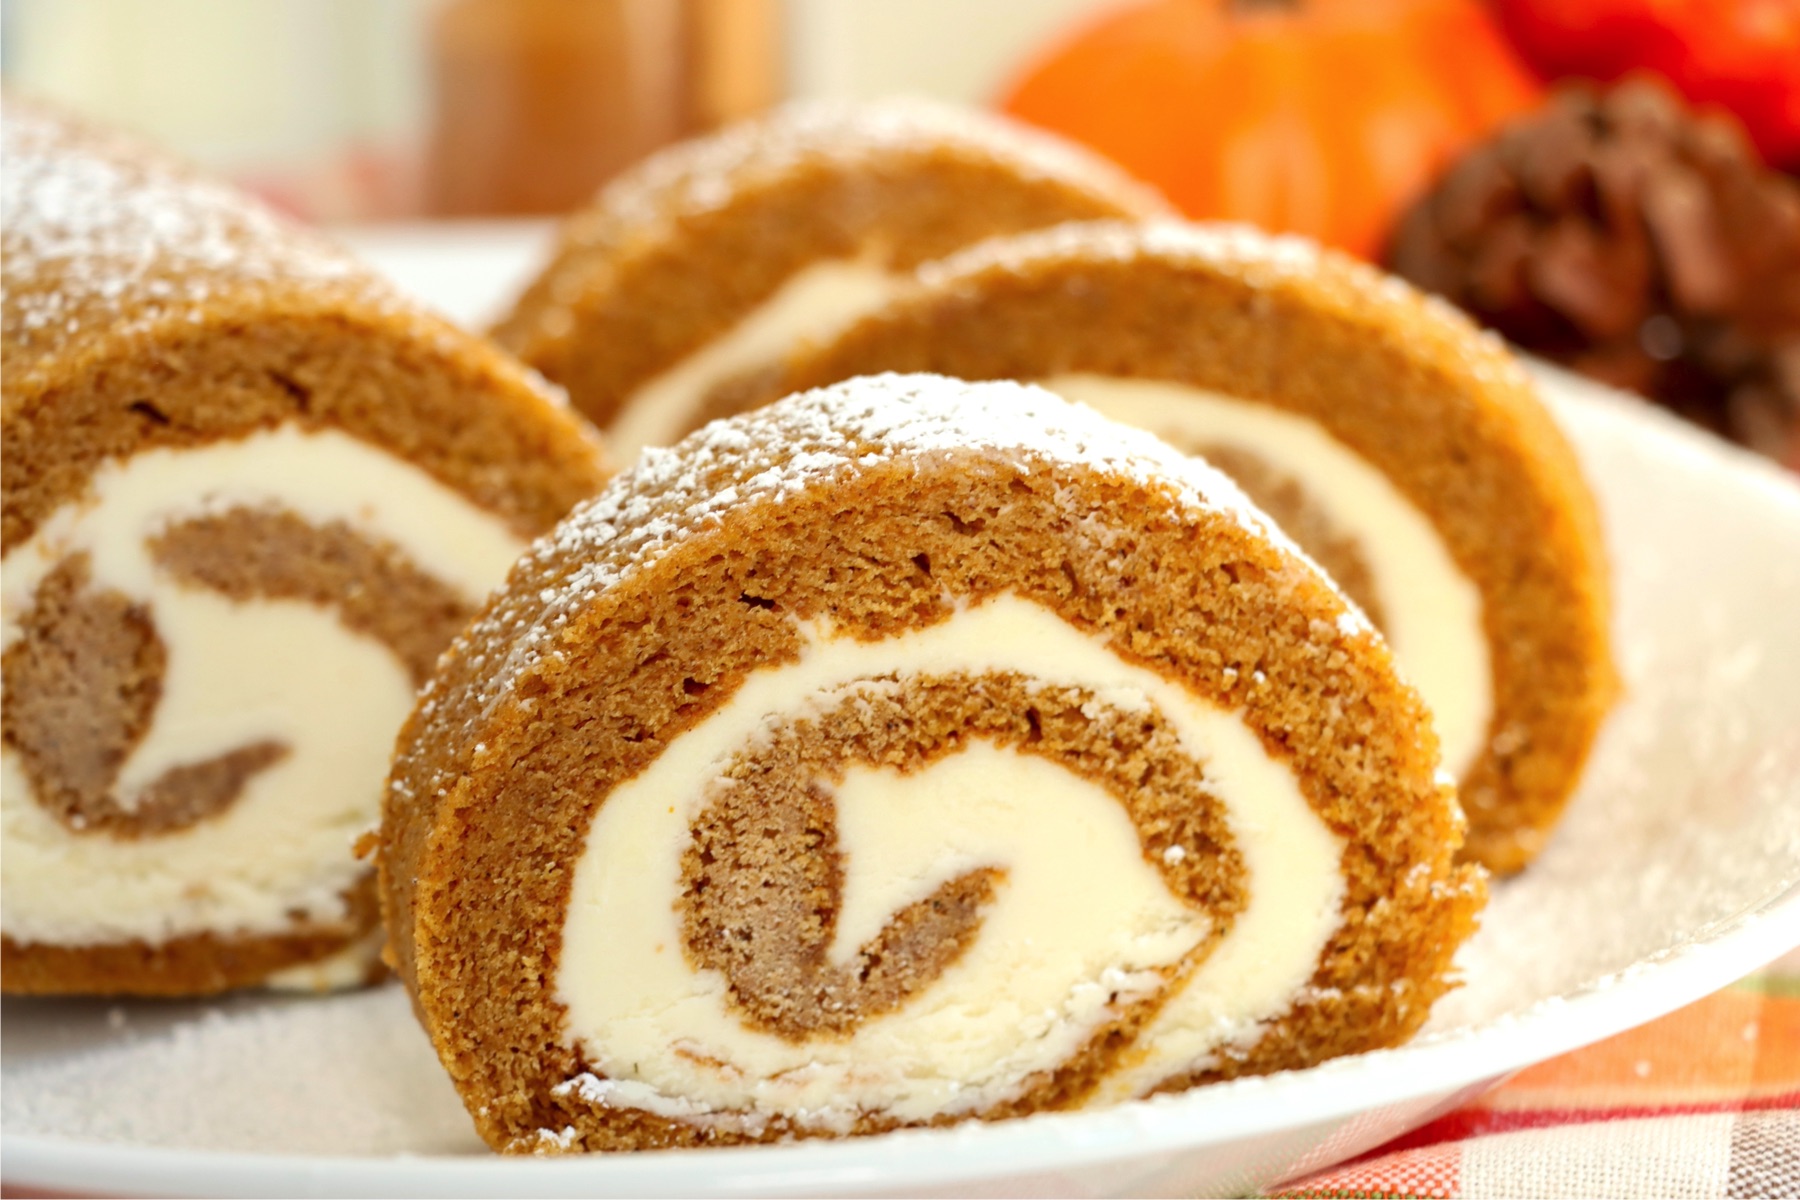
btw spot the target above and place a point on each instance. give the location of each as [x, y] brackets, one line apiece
[1715, 956]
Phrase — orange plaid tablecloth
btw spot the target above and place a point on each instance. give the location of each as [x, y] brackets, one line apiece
[1704, 1103]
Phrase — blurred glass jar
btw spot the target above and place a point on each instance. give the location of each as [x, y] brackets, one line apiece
[315, 104]
[538, 102]
[360, 109]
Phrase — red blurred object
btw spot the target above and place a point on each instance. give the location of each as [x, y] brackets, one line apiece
[1743, 55]
[1322, 117]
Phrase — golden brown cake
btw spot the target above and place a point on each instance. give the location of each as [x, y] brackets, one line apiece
[1407, 452]
[691, 274]
[249, 495]
[908, 752]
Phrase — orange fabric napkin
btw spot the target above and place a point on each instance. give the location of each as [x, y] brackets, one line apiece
[1704, 1103]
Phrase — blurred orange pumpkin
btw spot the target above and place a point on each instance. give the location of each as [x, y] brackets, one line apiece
[1322, 117]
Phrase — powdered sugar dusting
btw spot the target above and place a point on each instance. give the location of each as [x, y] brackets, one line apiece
[1691, 800]
[105, 237]
[826, 436]
[868, 139]
[707, 172]
[831, 433]
[822, 438]
[1263, 261]
[346, 1074]
[1254, 254]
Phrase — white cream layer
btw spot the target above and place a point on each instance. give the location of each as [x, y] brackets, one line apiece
[815, 302]
[1432, 610]
[237, 673]
[1080, 924]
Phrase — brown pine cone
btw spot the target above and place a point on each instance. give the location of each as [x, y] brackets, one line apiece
[1638, 242]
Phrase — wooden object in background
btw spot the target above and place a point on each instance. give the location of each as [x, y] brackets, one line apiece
[536, 103]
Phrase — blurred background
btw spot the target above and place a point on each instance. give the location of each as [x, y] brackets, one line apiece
[342, 109]
[1605, 182]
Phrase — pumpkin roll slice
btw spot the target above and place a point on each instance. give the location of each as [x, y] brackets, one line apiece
[1405, 451]
[689, 276]
[250, 494]
[906, 752]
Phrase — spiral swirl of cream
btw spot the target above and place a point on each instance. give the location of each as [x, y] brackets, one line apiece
[283, 670]
[1062, 917]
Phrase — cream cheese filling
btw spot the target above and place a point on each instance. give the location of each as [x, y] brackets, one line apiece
[1433, 610]
[237, 673]
[1080, 925]
[815, 302]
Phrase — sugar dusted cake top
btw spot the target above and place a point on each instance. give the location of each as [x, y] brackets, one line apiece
[107, 239]
[703, 173]
[827, 435]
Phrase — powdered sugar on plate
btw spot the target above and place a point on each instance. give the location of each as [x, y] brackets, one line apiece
[347, 1074]
[1690, 808]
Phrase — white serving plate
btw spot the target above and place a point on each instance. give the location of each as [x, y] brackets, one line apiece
[1676, 871]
